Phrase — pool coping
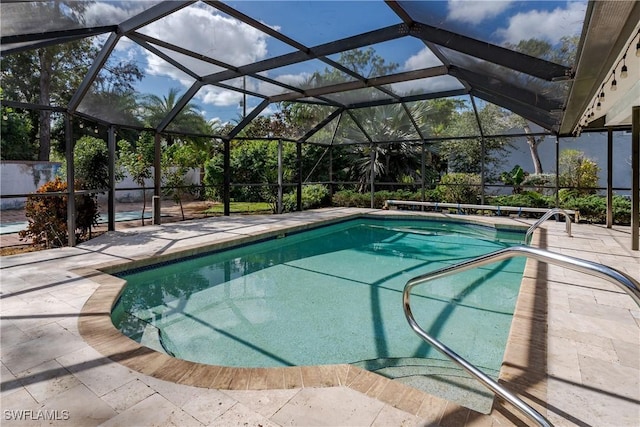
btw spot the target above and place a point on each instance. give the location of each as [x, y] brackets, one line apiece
[97, 329]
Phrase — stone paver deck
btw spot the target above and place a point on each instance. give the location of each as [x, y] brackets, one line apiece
[573, 352]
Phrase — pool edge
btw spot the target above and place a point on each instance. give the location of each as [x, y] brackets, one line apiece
[95, 326]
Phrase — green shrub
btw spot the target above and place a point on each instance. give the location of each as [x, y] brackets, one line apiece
[514, 178]
[621, 210]
[350, 198]
[459, 188]
[91, 163]
[313, 196]
[530, 199]
[540, 181]
[214, 178]
[48, 216]
[593, 208]
[578, 171]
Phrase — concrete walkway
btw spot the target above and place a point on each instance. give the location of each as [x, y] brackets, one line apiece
[575, 344]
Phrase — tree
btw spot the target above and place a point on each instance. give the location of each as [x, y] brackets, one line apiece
[578, 172]
[49, 76]
[15, 135]
[392, 160]
[466, 155]
[564, 53]
[46, 77]
[395, 161]
[252, 162]
[176, 162]
[91, 163]
[137, 159]
[156, 108]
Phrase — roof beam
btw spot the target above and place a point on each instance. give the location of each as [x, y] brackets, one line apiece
[245, 121]
[489, 52]
[141, 38]
[30, 106]
[91, 75]
[152, 14]
[75, 33]
[152, 40]
[279, 36]
[359, 126]
[505, 89]
[62, 36]
[608, 27]
[195, 87]
[541, 118]
[322, 124]
[256, 24]
[365, 39]
[435, 95]
[412, 98]
[166, 57]
[407, 19]
[51, 39]
[373, 83]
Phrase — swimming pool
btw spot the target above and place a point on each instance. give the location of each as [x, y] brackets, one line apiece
[327, 296]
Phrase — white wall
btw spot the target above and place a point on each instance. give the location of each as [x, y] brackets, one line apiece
[27, 177]
[130, 196]
[23, 178]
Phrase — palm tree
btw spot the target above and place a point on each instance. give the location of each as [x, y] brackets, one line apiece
[394, 160]
[187, 152]
[156, 108]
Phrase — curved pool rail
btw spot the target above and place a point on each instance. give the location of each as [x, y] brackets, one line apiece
[622, 280]
[546, 216]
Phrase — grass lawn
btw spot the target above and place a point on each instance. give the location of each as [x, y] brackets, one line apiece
[241, 207]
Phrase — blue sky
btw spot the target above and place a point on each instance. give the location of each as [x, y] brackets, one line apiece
[205, 30]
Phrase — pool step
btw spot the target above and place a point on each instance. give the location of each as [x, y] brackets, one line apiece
[151, 338]
[438, 377]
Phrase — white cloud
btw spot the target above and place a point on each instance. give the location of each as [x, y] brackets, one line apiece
[202, 30]
[423, 59]
[127, 49]
[546, 25]
[474, 12]
[220, 97]
[110, 13]
[295, 80]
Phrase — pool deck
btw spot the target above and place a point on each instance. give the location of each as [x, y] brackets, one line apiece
[573, 351]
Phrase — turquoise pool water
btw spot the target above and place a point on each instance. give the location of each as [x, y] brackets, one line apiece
[329, 295]
[17, 226]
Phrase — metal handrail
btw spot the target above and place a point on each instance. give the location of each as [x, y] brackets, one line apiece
[548, 215]
[624, 281]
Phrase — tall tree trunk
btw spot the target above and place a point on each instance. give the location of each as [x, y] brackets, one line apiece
[45, 99]
[535, 158]
[533, 149]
